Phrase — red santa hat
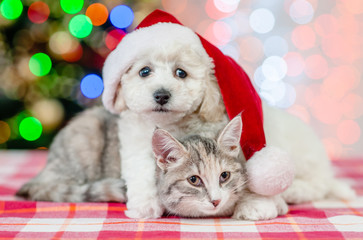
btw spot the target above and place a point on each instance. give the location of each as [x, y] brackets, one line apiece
[236, 88]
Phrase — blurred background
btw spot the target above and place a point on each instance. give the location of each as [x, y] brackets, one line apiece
[305, 56]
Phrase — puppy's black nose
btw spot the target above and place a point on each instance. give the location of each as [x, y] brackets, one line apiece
[162, 96]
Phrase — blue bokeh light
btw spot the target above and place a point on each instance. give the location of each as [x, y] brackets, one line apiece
[92, 86]
[121, 16]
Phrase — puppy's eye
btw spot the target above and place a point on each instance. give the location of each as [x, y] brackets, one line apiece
[195, 181]
[145, 71]
[181, 73]
[224, 176]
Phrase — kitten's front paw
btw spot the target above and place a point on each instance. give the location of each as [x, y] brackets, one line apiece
[260, 208]
[255, 210]
[149, 209]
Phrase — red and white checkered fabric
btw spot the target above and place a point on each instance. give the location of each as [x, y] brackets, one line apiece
[45, 220]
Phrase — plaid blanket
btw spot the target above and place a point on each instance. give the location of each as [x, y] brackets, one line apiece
[44, 220]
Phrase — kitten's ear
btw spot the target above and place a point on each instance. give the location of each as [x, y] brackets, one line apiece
[167, 150]
[230, 137]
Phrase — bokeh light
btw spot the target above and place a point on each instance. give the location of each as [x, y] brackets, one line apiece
[226, 6]
[301, 11]
[5, 132]
[174, 6]
[258, 77]
[40, 64]
[213, 12]
[274, 68]
[348, 132]
[311, 92]
[49, 112]
[316, 66]
[61, 42]
[288, 98]
[30, 128]
[231, 50]
[340, 81]
[325, 109]
[71, 6]
[80, 26]
[24, 70]
[333, 45]
[222, 32]
[92, 86]
[11, 9]
[262, 20]
[275, 46]
[326, 24]
[303, 37]
[121, 16]
[74, 54]
[352, 106]
[113, 38]
[38, 12]
[353, 6]
[272, 92]
[295, 64]
[251, 49]
[98, 13]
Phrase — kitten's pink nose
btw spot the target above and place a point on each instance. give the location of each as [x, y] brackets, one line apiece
[216, 202]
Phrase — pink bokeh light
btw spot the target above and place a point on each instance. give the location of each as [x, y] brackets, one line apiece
[316, 66]
[303, 37]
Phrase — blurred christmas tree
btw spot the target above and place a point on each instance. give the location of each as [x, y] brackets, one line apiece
[51, 56]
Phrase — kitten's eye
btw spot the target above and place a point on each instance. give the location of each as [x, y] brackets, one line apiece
[195, 181]
[224, 176]
[144, 72]
[181, 73]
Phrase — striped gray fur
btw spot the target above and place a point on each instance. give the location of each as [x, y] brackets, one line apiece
[83, 163]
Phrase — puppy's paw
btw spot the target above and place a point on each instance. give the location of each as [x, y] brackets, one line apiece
[258, 209]
[302, 191]
[281, 205]
[148, 209]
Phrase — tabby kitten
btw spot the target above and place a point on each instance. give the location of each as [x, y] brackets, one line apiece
[203, 177]
[200, 176]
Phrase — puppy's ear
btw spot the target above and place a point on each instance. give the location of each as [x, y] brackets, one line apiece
[212, 108]
[119, 103]
[114, 69]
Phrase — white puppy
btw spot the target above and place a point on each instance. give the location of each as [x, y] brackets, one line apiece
[169, 84]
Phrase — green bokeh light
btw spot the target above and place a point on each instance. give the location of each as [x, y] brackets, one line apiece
[11, 9]
[71, 6]
[80, 26]
[30, 128]
[40, 64]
